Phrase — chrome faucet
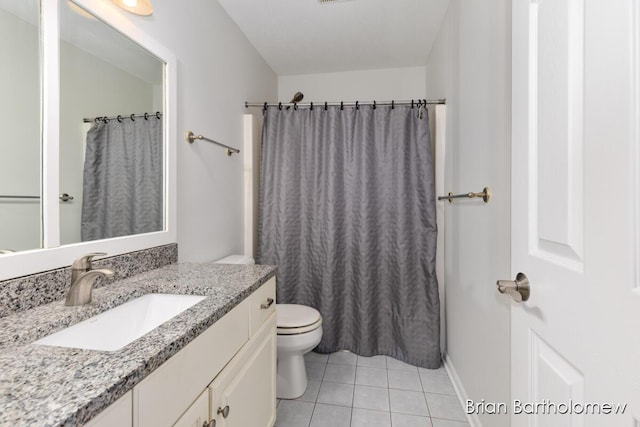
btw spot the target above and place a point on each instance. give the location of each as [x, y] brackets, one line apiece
[83, 278]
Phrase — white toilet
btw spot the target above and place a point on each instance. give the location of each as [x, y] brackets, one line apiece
[299, 331]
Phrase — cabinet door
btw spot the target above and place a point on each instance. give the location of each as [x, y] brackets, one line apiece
[245, 391]
[198, 413]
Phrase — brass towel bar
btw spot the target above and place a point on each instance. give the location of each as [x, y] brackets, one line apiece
[485, 194]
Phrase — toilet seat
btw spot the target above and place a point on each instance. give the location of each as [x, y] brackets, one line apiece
[301, 330]
[295, 319]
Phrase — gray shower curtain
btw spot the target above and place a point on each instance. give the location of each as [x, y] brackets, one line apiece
[347, 212]
[122, 187]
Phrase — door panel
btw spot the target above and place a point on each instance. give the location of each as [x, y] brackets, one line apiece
[555, 71]
[556, 380]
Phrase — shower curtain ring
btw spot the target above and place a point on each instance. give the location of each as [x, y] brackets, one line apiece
[311, 107]
[264, 108]
[374, 105]
[132, 117]
[412, 104]
[119, 118]
[341, 105]
[393, 106]
[105, 119]
[325, 105]
[158, 115]
[357, 106]
[146, 116]
[279, 105]
[295, 106]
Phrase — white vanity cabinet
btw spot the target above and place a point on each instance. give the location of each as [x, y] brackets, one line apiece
[233, 363]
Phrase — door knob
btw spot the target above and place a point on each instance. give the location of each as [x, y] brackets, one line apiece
[519, 289]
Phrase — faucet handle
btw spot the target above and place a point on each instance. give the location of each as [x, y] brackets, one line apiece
[84, 262]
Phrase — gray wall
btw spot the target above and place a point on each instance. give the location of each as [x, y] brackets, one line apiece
[364, 85]
[470, 66]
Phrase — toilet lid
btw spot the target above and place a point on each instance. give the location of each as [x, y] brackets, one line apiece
[296, 315]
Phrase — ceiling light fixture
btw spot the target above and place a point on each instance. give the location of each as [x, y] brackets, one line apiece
[138, 7]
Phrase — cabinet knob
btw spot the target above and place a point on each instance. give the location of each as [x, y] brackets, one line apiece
[224, 411]
[268, 304]
[211, 423]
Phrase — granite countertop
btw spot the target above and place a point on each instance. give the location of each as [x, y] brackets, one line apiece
[55, 386]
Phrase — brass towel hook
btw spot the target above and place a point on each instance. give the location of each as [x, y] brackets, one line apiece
[485, 194]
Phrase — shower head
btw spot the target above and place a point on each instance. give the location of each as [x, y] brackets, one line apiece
[297, 97]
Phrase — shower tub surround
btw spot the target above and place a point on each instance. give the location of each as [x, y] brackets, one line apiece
[53, 386]
[24, 293]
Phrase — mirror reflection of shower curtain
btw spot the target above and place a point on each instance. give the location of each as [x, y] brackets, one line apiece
[122, 183]
[348, 213]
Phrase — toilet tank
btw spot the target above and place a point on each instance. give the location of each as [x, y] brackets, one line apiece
[236, 259]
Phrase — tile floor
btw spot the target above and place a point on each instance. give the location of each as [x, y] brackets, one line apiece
[346, 390]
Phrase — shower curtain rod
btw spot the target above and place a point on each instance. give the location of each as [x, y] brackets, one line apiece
[119, 118]
[374, 104]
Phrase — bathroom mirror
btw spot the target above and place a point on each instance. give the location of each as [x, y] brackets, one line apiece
[20, 126]
[110, 168]
[86, 59]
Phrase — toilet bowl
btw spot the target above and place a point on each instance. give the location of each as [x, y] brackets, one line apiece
[299, 330]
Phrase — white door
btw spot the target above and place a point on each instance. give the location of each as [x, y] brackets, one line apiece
[575, 127]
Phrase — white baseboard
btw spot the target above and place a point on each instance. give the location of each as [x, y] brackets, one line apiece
[473, 419]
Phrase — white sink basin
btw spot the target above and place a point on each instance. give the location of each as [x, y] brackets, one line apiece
[123, 324]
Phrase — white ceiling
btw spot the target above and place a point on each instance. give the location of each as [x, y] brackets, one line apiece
[306, 36]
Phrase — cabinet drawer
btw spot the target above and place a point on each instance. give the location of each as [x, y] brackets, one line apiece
[263, 304]
[117, 414]
[163, 396]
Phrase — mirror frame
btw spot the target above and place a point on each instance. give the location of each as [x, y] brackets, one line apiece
[52, 255]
